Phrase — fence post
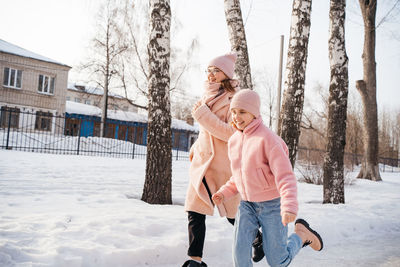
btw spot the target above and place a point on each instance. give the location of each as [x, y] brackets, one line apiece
[177, 150]
[8, 130]
[134, 142]
[79, 137]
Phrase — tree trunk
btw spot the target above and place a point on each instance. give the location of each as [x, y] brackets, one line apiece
[157, 186]
[237, 37]
[367, 89]
[293, 99]
[338, 91]
[103, 127]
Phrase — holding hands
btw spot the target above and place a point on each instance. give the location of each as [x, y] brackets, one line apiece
[288, 217]
[218, 198]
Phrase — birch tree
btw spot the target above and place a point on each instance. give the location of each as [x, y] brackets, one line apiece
[133, 67]
[157, 186]
[108, 45]
[237, 38]
[338, 91]
[293, 98]
[367, 89]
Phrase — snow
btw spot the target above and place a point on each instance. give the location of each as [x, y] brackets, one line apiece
[90, 90]
[79, 108]
[9, 48]
[63, 210]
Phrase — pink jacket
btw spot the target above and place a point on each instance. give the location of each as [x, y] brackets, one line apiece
[261, 169]
[210, 159]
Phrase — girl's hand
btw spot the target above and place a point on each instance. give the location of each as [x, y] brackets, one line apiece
[191, 155]
[218, 198]
[288, 218]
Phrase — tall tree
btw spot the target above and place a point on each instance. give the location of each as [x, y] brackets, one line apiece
[367, 89]
[293, 98]
[157, 186]
[133, 66]
[338, 91]
[237, 38]
[108, 45]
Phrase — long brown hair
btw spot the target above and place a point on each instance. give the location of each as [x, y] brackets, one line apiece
[226, 84]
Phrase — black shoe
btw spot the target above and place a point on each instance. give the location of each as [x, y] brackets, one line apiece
[192, 263]
[258, 252]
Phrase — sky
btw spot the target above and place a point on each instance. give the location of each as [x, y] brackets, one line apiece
[62, 30]
[88, 213]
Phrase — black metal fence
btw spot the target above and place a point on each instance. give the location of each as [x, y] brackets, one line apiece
[312, 156]
[45, 132]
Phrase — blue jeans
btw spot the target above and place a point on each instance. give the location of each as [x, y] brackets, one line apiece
[278, 248]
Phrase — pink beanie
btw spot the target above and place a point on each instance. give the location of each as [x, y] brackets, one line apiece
[248, 100]
[226, 63]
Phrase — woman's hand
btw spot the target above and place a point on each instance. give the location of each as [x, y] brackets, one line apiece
[196, 106]
[288, 218]
[218, 198]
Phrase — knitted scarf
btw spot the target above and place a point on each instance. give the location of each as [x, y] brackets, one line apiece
[213, 92]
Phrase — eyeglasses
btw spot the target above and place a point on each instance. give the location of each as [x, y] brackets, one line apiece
[212, 71]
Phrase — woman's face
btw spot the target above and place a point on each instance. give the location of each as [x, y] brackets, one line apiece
[215, 75]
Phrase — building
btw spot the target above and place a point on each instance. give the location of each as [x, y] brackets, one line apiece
[93, 96]
[35, 98]
[31, 83]
[84, 120]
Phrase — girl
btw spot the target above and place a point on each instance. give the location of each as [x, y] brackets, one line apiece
[209, 168]
[263, 176]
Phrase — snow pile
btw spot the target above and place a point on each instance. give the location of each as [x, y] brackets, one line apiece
[59, 210]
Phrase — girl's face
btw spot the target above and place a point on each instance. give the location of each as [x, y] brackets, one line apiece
[241, 118]
[215, 75]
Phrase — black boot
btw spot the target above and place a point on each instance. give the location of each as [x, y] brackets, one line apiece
[192, 263]
[258, 252]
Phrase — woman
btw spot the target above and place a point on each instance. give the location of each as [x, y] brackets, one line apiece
[210, 167]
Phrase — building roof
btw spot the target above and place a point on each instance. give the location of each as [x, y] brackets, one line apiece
[90, 90]
[12, 49]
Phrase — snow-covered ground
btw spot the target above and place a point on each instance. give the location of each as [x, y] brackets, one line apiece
[63, 210]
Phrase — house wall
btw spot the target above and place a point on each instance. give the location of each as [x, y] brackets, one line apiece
[114, 103]
[29, 96]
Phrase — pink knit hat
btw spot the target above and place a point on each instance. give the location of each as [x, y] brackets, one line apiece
[248, 100]
[226, 63]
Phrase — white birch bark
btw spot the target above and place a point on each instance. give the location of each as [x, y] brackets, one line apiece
[337, 108]
[293, 98]
[237, 38]
[157, 187]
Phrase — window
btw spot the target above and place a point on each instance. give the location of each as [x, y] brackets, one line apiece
[77, 100]
[96, 129]
[43, 121]
[87, 102]
[139, 135]
[122, 132]
[46, 84]
[72, 126]
[9, 116]
[12, 78]
[68, 98]
[110, 130]
[176, 139]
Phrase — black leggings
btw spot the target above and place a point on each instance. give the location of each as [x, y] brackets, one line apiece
[197, 229]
